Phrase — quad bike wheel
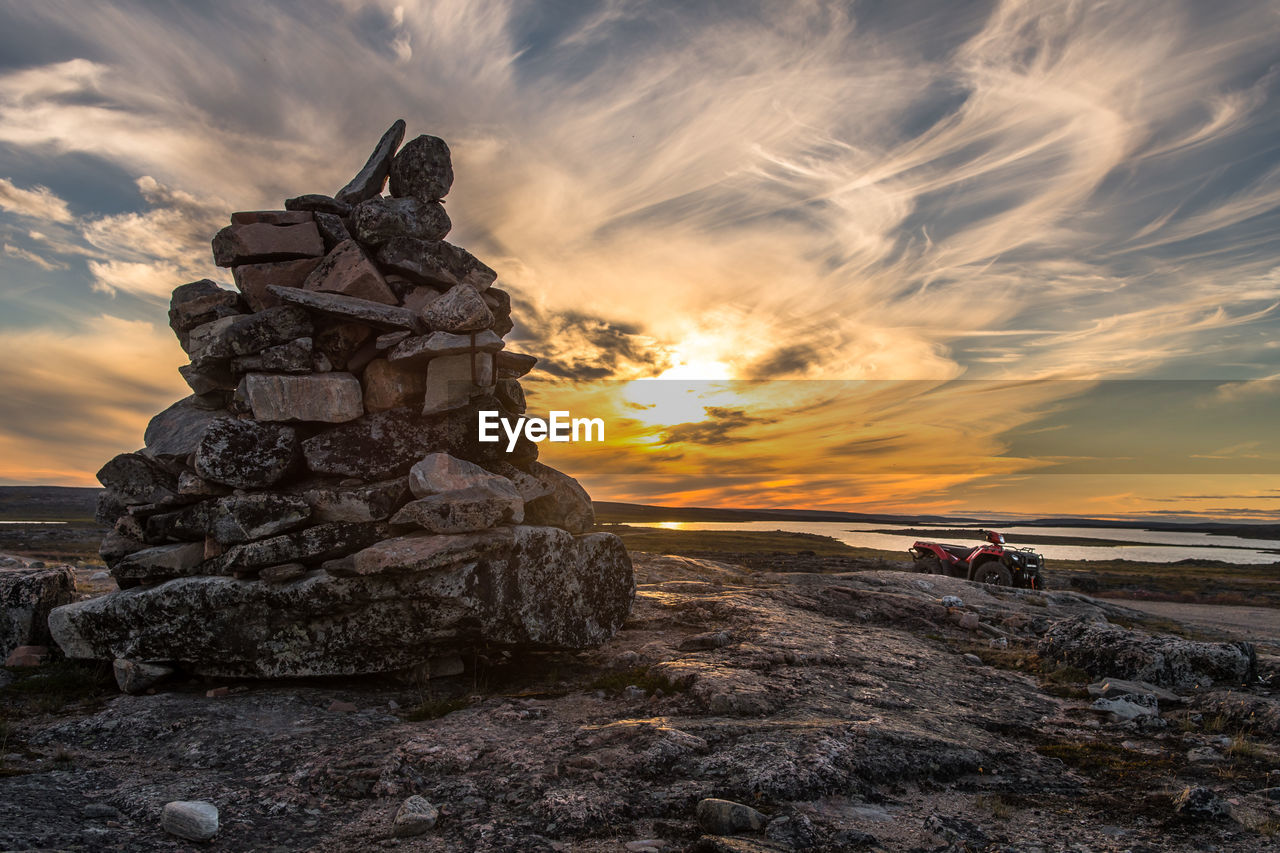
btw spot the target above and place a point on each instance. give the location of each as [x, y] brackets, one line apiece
[995, 573]
[929, 565]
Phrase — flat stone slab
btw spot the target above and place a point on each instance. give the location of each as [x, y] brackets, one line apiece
[259, 242]
[531, 587]
[348, 308]
[323, 397]
[419, 349]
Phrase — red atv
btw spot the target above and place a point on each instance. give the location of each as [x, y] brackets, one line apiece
[991, 563]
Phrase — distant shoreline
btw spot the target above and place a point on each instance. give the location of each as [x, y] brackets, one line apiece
[77, 503]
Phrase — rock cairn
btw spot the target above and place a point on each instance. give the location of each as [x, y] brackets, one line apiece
[320, 504]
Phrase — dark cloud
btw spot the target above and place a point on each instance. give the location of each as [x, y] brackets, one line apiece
[579, 346]
[719, 427]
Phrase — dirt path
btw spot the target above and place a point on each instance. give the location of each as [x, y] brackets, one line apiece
[1257, 624]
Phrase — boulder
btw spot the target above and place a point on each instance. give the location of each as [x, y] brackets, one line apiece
[1103, 649]
[440, 472]
[1128, 706]
[135, 677]
[194, 821]
[348, 308]
[333, 230]
[323, 397]
[26, 597]
[349, 271]
[247, 333]
[463, 510]
[416, 350]
[201, 302]
[526, 587]
[499, 302]
[1200, 804]
[252, 280]
[725, 817]
[567, 505]
[176, 432]
[160, 563]
[297, 357]
[435, 263]
[339, 341]
[211, 378]
[245, 454]
[381, 219]
[375, 447]
[513, 365]
[453, 380]
[261, 242]
[372, 502]
[369, 180]
[461, 309]
[423, 169]
[241, 518]
[134, 478]
[510, 394]
[415, 816]
[390, 385]
[312, 545]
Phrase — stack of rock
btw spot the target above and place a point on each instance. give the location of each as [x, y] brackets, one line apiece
[320, 504]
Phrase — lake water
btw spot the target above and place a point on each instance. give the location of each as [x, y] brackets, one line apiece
[1149, 546]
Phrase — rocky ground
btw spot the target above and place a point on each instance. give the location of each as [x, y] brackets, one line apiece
[850, 708]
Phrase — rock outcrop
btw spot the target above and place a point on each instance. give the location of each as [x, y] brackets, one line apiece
[27, 595]
[321, 504]
[1105, 650]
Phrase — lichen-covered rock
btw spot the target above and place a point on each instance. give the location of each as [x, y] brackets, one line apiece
[459, 310]
[323, 398]
[423, 169]
[135, 479]
[26, 597]
[201, 302]
[462, 510]
[161, 562]
[252, 280]
[223, 339]
[241, 518]
[348, 270]
[312, 545]
[381, 219]
[176, 432]
[531, 587]
[568, 505]
[1106, 650]
[246, 454]
[372, 502]
[435, 263]
[374, 447]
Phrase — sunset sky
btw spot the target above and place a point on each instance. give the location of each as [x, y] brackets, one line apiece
[986, 256]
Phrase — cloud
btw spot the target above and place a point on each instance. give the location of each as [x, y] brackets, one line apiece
[33, 258]
[722, 426]
[1010, 190]
[35, 203]
[75, 400]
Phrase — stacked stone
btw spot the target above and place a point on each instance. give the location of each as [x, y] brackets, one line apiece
[320, 504]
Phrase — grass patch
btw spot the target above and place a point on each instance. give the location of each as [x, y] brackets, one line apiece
[434, 709]
[995, 805]
[640, 676]
[1098, 758]
[1243, 747]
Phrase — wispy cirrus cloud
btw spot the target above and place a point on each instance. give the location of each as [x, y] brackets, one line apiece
[1008, 190]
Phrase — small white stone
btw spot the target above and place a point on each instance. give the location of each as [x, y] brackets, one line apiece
[192, 820]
